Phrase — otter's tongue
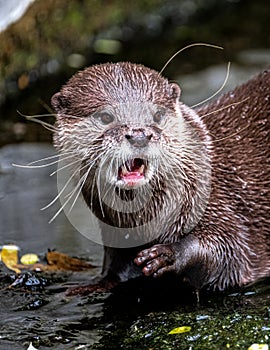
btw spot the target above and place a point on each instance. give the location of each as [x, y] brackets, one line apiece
[132, 171]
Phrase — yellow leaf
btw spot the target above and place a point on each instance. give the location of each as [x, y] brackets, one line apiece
[29, 259]
[179, 330]
[61, 261]
[258, 347]
[9, 256]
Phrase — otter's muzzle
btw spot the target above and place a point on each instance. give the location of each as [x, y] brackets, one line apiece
[138, 138]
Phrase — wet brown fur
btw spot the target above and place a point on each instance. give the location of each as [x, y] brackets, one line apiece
[230, 245]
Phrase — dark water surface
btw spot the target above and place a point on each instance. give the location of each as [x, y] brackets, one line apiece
[23, 192]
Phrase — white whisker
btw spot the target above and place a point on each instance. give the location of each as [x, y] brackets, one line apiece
[187, 47]
[218, 91]
[65, 166]
[34, 166]
[98, 184]
[71, 193]
[62, 190]
[49, 158]
[44, 124]
[37, 115]
[79, 188]
[228, 106]
[31, 166]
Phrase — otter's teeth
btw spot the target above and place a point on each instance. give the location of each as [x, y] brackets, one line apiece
[141, 169]
[124, 170]
[129, 165]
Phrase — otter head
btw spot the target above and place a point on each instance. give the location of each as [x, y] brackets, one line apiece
[123, 130]
[114, 118]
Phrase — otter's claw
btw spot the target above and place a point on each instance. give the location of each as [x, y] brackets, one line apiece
[157, 260]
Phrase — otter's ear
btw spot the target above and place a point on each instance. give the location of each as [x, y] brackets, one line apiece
[59, 102]
[175, 91]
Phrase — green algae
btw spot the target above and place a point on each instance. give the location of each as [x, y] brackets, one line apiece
[223, 322]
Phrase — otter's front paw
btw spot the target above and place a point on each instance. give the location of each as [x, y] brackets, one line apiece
[157, 260]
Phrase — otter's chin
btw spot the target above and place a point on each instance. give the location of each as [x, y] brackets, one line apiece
[134, 173]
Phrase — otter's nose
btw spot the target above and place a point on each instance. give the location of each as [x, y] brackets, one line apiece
[138, 139]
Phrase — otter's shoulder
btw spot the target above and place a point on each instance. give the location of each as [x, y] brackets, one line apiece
[245, 101]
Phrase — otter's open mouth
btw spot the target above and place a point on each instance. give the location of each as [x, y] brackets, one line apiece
[132, 171]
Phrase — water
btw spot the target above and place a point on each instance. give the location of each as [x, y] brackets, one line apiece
[23, 192]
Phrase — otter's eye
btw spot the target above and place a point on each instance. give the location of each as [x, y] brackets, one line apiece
[158, 116]
[105, 118]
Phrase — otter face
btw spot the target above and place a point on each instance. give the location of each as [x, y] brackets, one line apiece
[111, 118]
[131, 146]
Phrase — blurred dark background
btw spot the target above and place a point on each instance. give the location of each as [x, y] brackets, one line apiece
[55, 38]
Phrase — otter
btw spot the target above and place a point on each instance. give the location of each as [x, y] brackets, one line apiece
[194, 184]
